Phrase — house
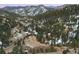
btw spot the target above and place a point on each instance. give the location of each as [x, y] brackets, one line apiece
[0, 44]
[59, 41]
[71, 34]
[50, 42]
[75, 27]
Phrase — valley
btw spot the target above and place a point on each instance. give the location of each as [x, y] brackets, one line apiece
[39, 29]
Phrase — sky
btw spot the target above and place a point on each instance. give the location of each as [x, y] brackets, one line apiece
[3, 5]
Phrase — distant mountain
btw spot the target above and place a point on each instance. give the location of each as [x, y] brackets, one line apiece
[61, 11]
[8, 14]
[27, 10]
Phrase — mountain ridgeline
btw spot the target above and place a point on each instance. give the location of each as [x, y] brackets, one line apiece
[65, 11]
[28, 10]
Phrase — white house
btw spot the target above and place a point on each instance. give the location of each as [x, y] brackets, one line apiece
[34, 31]
[75, 27]
[71, 34]
[59, 41]
[0, 44]
[50, 42]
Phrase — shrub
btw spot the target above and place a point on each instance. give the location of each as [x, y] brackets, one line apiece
[52, 49]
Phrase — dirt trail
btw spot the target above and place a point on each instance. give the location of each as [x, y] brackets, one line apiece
[32, 42]
[9, 49]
